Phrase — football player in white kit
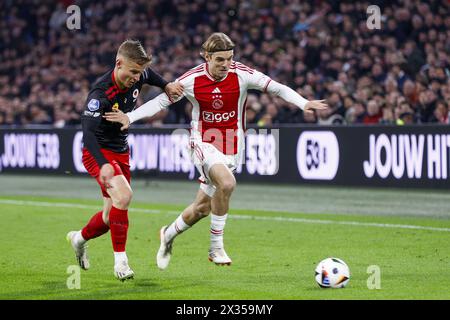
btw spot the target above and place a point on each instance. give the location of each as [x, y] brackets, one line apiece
[217, 90]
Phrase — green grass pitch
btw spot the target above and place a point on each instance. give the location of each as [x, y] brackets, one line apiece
[274, 254]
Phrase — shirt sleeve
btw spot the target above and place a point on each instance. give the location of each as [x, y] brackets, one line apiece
[154, 79]
[90, 120]
[286, 93]
[150, 108]
[259, 81]
[160, 102]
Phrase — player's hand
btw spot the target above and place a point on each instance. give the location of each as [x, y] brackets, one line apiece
[118, 116]
[174, 90]
[315, 105]
[106, 174]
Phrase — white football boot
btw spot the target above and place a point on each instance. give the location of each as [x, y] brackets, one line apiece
[165, 250]
[122, 271]
[80, 250]
[219, 257]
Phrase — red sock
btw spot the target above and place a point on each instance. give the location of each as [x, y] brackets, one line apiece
[95, 227]
[118, 222]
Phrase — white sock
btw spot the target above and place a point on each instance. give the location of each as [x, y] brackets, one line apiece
[78, 239]
[120, 257]
[217, 226]
[177, 227]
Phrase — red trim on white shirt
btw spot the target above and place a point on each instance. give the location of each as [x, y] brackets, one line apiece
[170, 99]
[267, 84]
[242, 67]
[243, 120]
[191, 72]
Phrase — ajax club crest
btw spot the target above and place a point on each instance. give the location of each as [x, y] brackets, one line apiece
[217, 99]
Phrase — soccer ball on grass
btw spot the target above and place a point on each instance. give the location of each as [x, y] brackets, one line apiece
[332, 273]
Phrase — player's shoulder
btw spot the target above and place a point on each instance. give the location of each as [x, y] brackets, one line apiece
[103, 83]
[103, 88]
[146, 74]
[192, 73]
[239, 67]
[97, 99]
[98, 95]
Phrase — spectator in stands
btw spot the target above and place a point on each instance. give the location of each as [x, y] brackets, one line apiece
[373, 114]
[320, 47]
[388, 116]
[440, 114]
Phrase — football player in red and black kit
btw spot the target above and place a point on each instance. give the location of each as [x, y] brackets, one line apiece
[106, 153]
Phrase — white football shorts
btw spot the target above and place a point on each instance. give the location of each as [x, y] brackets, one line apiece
[205, 155]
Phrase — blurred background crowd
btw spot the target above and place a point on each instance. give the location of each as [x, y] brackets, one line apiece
[398, 74]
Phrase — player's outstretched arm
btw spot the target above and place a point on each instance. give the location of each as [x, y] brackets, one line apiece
[289, 95]
[148, 109]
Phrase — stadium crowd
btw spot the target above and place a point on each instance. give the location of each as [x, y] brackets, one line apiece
[398, 74]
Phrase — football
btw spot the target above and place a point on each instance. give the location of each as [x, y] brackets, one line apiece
[332, 273]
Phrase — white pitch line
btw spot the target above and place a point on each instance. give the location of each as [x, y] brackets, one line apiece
[72, 205]
[232, 216]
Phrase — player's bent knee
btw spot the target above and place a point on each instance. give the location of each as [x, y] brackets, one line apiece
[123, 199]
[120, 192]
[227, 185]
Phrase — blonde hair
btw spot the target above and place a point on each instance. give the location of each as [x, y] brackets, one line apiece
[134, 51]
[217, 42]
